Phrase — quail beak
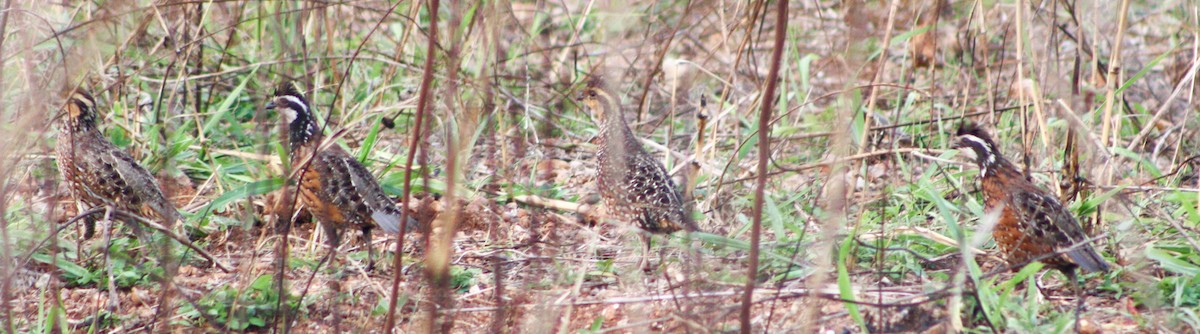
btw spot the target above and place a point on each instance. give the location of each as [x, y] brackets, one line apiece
[958, 143]
[271, 105]
[964, 149]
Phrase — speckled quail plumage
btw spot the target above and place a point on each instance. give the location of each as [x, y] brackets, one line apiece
[633, 184]
[334, 186]
[98, 173]
[1033, 225]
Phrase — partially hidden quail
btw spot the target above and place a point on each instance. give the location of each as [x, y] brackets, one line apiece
[334, 186]
[1033, 225]
[633, 184]
[99, 174]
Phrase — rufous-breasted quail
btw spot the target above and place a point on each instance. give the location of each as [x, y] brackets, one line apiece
[334, 186]
[1033, 225]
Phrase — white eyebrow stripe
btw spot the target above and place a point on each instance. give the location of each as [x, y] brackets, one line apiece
[297, 100]
[977, 140]
[83, 98]
[991, 156]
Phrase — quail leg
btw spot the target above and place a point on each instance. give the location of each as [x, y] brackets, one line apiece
[644, 263]
[366, 230]
[333, 239]
[89, 226]
[1079, 297]
[113, 301]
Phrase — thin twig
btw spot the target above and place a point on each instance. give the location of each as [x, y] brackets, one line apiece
[1107, 131]
[135, 218]
[5, 269]
[1166, 104]
[764, 154]
[440, 244]
[422, 107]
[129, 216]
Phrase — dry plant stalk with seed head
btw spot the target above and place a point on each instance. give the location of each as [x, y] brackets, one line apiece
[338, 190]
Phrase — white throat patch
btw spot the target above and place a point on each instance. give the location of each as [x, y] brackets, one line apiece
[288, 112]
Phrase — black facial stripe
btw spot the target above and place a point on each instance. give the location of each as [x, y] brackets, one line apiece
[985, 151]
[980, 148]
[83, 106]
[296, 102]
[84, 96]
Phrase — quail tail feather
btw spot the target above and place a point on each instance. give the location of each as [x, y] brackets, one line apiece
[1088, 259]
[390, 222]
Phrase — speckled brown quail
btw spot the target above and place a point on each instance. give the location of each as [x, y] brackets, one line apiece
[633, 184]
[1033, 225]
[334, 186]
[98, 173]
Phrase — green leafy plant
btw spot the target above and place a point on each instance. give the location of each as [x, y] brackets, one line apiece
[463, 278]
[1181, 291]
[241, 309]
[127, 270]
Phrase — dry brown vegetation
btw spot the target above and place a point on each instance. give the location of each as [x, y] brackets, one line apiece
[867, 214]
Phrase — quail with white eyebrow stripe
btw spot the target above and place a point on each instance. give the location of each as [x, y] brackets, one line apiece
[1033, 224]
[338, 190]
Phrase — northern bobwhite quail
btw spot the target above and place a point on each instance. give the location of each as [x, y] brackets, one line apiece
[632, 183]
[98, 173]
[334, 186]
[1033, 225]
